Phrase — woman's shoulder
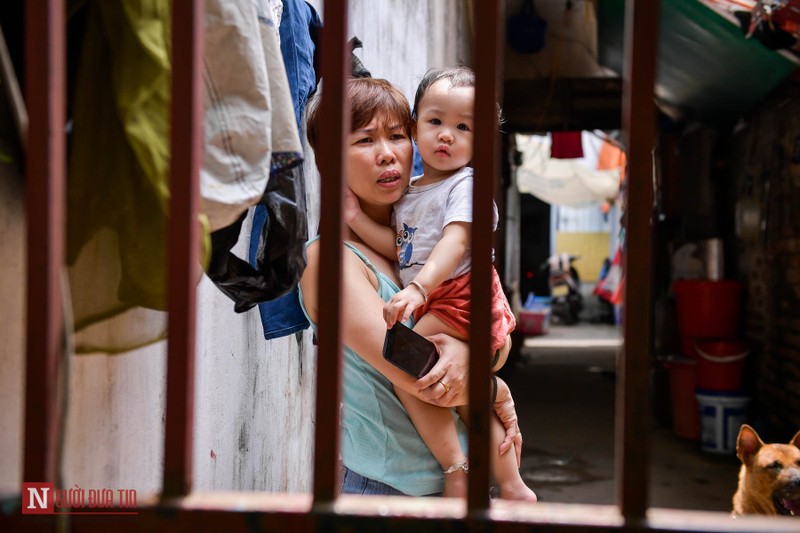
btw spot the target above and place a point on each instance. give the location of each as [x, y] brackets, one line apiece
[355, 261]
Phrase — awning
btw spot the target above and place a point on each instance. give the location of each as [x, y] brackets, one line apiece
[707, 69]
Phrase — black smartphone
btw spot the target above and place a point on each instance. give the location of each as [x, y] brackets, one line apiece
[409, 351]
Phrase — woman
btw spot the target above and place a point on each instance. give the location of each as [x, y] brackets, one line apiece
[381, 451]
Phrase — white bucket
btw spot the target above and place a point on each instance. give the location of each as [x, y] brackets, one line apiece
[721, 416]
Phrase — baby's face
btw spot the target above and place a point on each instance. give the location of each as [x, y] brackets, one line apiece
[444, 128]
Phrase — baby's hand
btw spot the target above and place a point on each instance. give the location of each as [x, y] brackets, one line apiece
[401, 306]
[351, 208]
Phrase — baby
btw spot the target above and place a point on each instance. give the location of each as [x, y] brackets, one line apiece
[431, 241]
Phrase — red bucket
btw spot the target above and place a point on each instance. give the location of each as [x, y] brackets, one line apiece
[707, 309]
[685, 410]
[720, 365]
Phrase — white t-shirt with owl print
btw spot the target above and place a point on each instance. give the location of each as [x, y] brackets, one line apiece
[421, 215]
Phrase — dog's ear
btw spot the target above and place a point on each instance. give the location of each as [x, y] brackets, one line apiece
[748, 443]
[796, 439]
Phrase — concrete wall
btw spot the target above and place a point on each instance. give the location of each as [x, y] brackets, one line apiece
[12, 306]
[254, 399]
[570, 43]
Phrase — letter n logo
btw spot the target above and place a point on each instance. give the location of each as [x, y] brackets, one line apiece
[37, 498]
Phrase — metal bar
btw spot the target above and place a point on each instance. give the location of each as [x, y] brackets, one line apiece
[487, 60]
[335, 121]
[183, 240]
[639, 124]
[290, 512]
[45, 165]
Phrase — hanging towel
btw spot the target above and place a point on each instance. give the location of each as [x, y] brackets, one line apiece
[566, 145]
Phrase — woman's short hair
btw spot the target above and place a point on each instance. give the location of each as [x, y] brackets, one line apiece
[369, 97]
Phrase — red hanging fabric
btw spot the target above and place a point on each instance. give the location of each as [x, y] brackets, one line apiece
[566, 145]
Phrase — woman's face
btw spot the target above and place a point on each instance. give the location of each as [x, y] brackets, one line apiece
[379, 159]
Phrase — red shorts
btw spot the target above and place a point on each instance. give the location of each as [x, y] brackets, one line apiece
[450, 301]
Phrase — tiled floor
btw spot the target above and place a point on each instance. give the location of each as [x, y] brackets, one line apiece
[564, 387]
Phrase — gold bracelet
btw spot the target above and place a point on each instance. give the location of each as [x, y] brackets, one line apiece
[422, 290]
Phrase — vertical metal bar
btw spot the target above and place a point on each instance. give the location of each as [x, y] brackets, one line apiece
[639, 124]
[487, 60]
[183, 237]
[45, 163]
[335, 121]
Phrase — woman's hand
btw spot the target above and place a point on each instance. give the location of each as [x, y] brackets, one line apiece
[504, 407]
[350, 208]
[446, 384]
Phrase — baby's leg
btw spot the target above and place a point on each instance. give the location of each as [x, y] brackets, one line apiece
[504, 467]
[435, 424]
[438, 431]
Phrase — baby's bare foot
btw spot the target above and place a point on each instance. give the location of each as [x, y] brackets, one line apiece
[517, 491]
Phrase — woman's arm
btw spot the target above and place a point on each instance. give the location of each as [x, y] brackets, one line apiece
[364, 330]
[504, 407]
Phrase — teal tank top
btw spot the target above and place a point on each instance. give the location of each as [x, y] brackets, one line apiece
[379, 440]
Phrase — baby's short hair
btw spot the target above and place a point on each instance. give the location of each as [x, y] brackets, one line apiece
[459, 76]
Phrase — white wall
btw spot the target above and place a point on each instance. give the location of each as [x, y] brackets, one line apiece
[254, 404]
[404, 38]
[12, 313]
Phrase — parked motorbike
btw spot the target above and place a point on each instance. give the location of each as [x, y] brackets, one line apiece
[565, 283]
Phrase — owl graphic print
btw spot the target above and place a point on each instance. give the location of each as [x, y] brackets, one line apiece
[421, 215]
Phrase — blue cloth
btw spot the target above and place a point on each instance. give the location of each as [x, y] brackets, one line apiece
[298, 30]
[416, 169]
[355, 483]
[282, 316]
[299, 26]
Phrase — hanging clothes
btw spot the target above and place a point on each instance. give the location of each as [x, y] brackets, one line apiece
[249, 127]
[118, 187]
[299, 30]
[281, 255]
[566, 145]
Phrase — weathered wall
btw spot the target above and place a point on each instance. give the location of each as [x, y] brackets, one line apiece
[12, 305]
[767, 170]
[570, 43]
[254, 400]
[403, 38]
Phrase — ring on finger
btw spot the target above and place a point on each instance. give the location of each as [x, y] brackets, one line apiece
[443, 384]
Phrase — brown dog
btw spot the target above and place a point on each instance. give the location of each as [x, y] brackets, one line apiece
[769, 480]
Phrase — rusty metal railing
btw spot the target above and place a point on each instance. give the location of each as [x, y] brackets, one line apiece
[326, 510]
